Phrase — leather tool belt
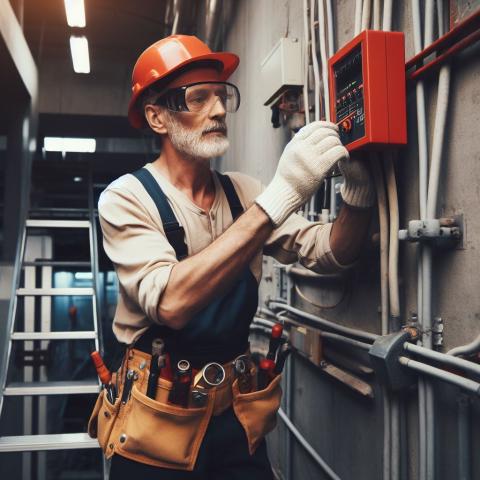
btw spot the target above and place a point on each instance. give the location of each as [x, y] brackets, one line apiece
[162, 434]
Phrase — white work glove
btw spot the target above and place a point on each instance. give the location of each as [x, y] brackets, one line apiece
[304, 164]
[358, 189]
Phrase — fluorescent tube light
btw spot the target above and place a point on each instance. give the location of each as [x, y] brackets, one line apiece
[83, 276]
[80, 56]
[75, 10]
[65, 144]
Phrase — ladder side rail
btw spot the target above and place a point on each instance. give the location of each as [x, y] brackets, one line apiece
[12, 309]
[95, 267]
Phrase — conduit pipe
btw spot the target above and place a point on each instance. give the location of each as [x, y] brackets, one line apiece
[306, 105]
[464, 440]
[387, 15]
[358, 16]
[383, 221]
[308, 448]
[429, 21]
[347, 340]
[316, 73]
[352, 332]
[468, 349]
[422, 189]
[432, 195]
[443, 358]
[331, 38]
[366, 12]
[464, 383]
[376, 14]
[324, 58]
[394, 294]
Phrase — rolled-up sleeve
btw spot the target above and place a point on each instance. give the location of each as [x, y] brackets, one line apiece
[306, 242]
[138, 249]
[297, 239]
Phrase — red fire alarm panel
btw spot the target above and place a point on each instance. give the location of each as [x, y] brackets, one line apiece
[367, 90]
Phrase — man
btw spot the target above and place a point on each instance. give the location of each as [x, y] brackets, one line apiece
[202, 305]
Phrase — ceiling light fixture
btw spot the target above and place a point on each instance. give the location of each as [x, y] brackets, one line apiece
[75, 10]
[65, 144]
[80, 56]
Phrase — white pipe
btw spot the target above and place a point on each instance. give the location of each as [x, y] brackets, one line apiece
[429, 22]
[308, 448]
[331, 38]
[324, 58]
[383, 222]
[393, 244]
[288, 410]
[387, 435]
[376, 14]
[467, 349]
[387, 15]
[440, 17]
[306, 105]
[358, 16]
[438, 136]
[443, 358]
[395, 435]
[366, 12]
[316, 73]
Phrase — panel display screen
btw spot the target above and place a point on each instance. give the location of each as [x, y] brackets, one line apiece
[349, 103]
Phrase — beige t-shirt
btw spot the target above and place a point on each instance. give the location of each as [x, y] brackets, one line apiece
[135, 242]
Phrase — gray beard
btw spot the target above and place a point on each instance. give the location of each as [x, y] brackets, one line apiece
[193, 143]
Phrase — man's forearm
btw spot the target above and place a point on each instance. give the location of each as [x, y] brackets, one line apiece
[349, 232]
[197, 280]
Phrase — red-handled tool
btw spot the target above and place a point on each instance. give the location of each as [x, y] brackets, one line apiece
[275, 341]
[104, 375]
[265, 372]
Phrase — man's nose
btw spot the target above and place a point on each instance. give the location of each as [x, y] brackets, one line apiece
[218, 109]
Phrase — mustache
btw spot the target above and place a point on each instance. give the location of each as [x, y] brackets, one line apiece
[216, 127]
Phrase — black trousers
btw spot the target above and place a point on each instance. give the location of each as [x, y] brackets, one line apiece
[223, 455]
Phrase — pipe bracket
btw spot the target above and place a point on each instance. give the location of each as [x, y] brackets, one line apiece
[432, 231]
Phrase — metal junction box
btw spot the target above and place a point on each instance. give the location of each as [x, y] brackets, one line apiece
[281, 69]
[367, 90]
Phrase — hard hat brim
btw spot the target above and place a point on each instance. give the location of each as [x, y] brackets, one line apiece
[229, 61]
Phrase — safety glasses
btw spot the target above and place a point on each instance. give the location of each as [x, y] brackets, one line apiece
[200, 97]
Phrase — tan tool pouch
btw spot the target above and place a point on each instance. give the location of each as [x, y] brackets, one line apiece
[257, 411]
[151, 431]
[103, 419]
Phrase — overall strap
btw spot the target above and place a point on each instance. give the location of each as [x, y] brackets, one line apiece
[173, 230]
[231, 194]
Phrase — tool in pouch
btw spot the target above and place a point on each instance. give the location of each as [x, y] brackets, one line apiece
[105, 376]
[211, 375]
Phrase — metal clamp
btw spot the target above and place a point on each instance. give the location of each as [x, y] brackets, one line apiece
[444, 233]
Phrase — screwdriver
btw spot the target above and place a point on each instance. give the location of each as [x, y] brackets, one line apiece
[284, 352]
[181, 384]
[275, 341]
[157, 349]
[265, 372]
[104, 375]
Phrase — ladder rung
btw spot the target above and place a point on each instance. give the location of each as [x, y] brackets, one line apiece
[59, 441]
[50, 292]
[57, 224]
[51, 388]
[85, 335]
[56, 263]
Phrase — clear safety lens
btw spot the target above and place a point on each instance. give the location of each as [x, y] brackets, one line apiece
[200, 97]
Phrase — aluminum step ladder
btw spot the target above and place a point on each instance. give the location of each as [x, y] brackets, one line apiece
[64, 441]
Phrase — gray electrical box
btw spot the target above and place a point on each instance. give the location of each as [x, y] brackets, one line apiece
[282, 69]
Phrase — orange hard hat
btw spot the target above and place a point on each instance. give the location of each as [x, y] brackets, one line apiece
[167, 56]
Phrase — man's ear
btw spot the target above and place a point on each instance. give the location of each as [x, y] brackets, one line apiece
[155, 118]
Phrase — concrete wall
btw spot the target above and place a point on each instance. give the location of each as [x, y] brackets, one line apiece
[346, 430]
